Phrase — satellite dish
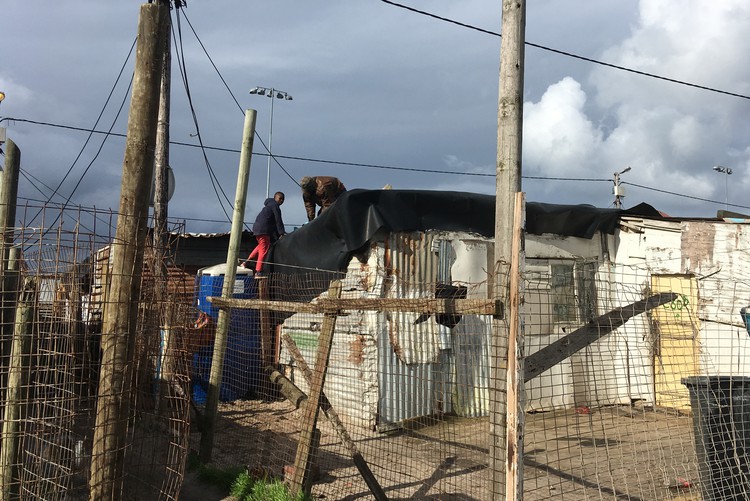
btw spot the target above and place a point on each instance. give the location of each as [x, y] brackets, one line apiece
[170, 187]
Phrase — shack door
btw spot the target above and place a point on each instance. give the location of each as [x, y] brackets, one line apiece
[675, 331]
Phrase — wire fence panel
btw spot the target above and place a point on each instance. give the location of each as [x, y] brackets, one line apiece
[53, 299]
[615, 419]
[636, 382]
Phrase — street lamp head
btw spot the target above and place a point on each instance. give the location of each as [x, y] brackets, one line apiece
[2, 96]
[623, 171]
[288, 97]
[722, 169]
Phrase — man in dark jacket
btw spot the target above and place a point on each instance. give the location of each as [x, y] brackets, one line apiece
[321, 191]
[267, 228]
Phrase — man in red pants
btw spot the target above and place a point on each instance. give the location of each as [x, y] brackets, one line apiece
[267, 228]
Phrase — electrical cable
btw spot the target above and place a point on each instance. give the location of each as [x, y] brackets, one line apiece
[570, 54]
[685, 196]
[387, 167]
[91, 133]
[221, 77]
[179, 48]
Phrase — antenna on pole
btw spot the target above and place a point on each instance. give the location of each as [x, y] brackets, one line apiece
[618, 190]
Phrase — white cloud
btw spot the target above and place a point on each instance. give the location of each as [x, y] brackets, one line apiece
[670, 134]
[558, 137]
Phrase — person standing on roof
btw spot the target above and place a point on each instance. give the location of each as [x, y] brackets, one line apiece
[267, 228]
[321, 191]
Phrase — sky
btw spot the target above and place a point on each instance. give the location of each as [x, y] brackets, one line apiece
[385, 95]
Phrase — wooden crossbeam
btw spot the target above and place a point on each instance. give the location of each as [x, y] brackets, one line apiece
[429, 306]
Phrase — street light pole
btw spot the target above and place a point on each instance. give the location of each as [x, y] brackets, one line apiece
[273, 94]
[727, 172]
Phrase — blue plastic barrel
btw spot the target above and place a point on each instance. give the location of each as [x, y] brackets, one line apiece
[241, 374]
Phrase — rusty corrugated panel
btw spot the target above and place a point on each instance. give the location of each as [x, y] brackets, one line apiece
[408, 353]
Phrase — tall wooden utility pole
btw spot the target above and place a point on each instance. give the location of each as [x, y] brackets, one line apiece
[120, 318]
[160, 235]
[508, 183]
[8, 195]
[161, 159]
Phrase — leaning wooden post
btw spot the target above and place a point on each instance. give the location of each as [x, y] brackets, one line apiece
[301, 477]
[119, 323]
[17, 388]
[333, 417]
[227, 290]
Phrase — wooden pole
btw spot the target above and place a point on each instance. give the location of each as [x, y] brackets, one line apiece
[514, 388]
[18, 375]
[119, 323]
[161, 157]
[301, 477]
[160, 235]
[508, 183]
[8, 194]
[222, 326]
[8, 285]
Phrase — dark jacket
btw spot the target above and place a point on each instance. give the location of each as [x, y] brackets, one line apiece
[269, 220]
[325, 191]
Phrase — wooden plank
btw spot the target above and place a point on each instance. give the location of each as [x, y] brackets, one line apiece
[330, 413]
[514, 389]
[428, 306]
[548, 357]
[301, 477]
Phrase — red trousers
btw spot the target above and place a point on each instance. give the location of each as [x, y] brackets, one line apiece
[261, 251]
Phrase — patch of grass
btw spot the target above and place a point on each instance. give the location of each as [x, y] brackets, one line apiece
[247, 488]
[223, 478]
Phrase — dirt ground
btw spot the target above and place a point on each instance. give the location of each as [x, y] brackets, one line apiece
[617, 452]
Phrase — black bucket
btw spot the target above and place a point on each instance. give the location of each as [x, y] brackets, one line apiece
[721, 423]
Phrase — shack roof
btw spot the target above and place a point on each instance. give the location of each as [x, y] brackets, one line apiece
[360, 216]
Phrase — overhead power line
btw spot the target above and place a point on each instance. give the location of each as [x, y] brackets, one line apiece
[387, 167]
[223, 80]
[570, 54]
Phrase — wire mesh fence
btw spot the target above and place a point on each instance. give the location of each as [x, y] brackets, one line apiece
[55, 291]
[650, 404]
[619, 418]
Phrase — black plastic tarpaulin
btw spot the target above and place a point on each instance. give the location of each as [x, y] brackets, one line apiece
[361, 216]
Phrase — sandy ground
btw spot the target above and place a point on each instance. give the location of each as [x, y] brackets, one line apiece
[617, 452]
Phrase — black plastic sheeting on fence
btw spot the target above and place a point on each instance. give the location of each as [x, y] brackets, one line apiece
[361, 216]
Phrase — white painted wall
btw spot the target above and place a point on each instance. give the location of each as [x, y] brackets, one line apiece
[717, 253]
